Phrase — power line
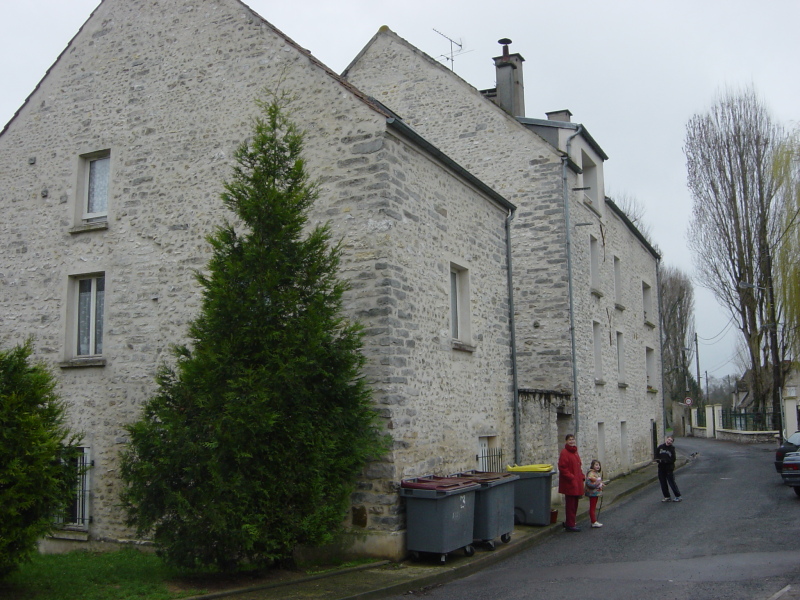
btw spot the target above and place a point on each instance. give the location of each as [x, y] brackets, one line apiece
[721, 333]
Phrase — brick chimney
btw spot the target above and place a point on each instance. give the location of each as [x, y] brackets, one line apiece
[510, 90]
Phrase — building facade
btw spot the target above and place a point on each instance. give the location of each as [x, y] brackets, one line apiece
[110, 176]
[587, 330]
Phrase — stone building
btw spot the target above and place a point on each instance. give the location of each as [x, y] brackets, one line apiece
[110, 175]
[586, 300]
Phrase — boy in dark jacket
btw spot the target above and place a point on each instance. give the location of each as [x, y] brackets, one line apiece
[665, 457]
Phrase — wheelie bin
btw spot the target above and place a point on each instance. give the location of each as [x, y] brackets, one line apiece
[440, 513]
[532, 494]
[494, 506]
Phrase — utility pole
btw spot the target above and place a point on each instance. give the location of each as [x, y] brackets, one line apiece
[697, 361]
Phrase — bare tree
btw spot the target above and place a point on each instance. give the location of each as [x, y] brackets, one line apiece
[736, 219]
[634, 209]
[677, 330]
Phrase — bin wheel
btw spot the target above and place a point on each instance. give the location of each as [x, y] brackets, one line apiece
[469, 550]
[505, 538]
[414, 555]
[490, 545]
[443, 558]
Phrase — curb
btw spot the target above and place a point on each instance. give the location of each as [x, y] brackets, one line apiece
[526, 538]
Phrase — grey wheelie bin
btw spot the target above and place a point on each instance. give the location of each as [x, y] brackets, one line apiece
[532, 494]
[494, 506]
[440, 513]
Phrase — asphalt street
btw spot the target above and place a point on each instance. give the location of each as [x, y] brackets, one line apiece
[734, 536]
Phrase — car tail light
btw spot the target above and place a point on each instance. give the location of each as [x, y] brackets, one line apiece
[792, 467]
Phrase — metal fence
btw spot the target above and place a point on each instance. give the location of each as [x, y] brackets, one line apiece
[746, 421]
[490, 459]
[701, 417]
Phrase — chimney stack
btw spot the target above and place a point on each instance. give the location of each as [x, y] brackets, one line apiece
[510, 89]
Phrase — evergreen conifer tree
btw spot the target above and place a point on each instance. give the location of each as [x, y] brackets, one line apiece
[37, 477]
[253, 441]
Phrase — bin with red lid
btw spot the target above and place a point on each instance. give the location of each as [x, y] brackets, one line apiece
[439, 514]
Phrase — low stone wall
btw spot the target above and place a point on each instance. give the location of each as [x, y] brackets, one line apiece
[700, 432]
[747, 437]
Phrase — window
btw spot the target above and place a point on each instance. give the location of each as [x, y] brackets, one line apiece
[490, 457]
[92, 192]
[650, 365]
[594, 266]
[460, 327]
[647, 304]
[618, 284]
[601, 442]
[591, 192]
[96, 169]
[623, 445]
[89, 301]
[97, 189]
[76, 512]
[597, 334]
[621, 359]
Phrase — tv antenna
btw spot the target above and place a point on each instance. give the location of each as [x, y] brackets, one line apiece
[453, 50]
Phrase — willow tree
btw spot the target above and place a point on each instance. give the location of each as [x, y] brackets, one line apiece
[736, 221]
[253, 443]
[787, 169]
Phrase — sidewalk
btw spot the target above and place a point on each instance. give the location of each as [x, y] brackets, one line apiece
[379, 580]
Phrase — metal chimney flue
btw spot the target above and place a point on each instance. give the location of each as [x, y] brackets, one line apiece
[510, 88]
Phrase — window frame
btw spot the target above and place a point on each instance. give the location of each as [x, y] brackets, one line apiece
[647, 304]
[460, 307]
[618, 284]
[594, 266]
[597, 345]
[83, 220]
[97, 318]
[80, 504]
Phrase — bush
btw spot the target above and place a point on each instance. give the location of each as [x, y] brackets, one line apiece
[254, 440]
[36, 478]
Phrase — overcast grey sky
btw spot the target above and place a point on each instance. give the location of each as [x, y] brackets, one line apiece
[632, 71]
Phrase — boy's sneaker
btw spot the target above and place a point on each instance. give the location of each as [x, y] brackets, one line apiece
[597, 524]
[667, 499]
[678, 499]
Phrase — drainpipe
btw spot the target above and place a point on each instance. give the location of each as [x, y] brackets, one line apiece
[664, 408]
[564, 160]
[512, 325]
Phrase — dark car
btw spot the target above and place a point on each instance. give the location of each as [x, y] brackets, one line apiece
[791, 471]
[791, 444]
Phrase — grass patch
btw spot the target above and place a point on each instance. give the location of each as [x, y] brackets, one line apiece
[126, 574]
[130, 574]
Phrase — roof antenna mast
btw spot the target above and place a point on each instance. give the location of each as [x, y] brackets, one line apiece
[453, 52]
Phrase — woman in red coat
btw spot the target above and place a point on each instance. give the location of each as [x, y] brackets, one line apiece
[570, 481]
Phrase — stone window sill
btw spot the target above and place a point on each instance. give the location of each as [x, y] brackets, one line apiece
[84, 227]
[596, 292]
[75, 535]
[619, 307]
[599, 381]
[463, 347]
[622, 385]
[78, 363]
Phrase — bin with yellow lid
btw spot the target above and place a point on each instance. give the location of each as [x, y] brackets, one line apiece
[532, 493]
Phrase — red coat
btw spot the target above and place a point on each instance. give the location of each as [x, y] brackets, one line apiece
[570, 475]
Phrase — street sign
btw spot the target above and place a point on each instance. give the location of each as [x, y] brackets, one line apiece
[687, 401]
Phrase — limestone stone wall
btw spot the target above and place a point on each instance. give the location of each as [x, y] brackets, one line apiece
[168, 89]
